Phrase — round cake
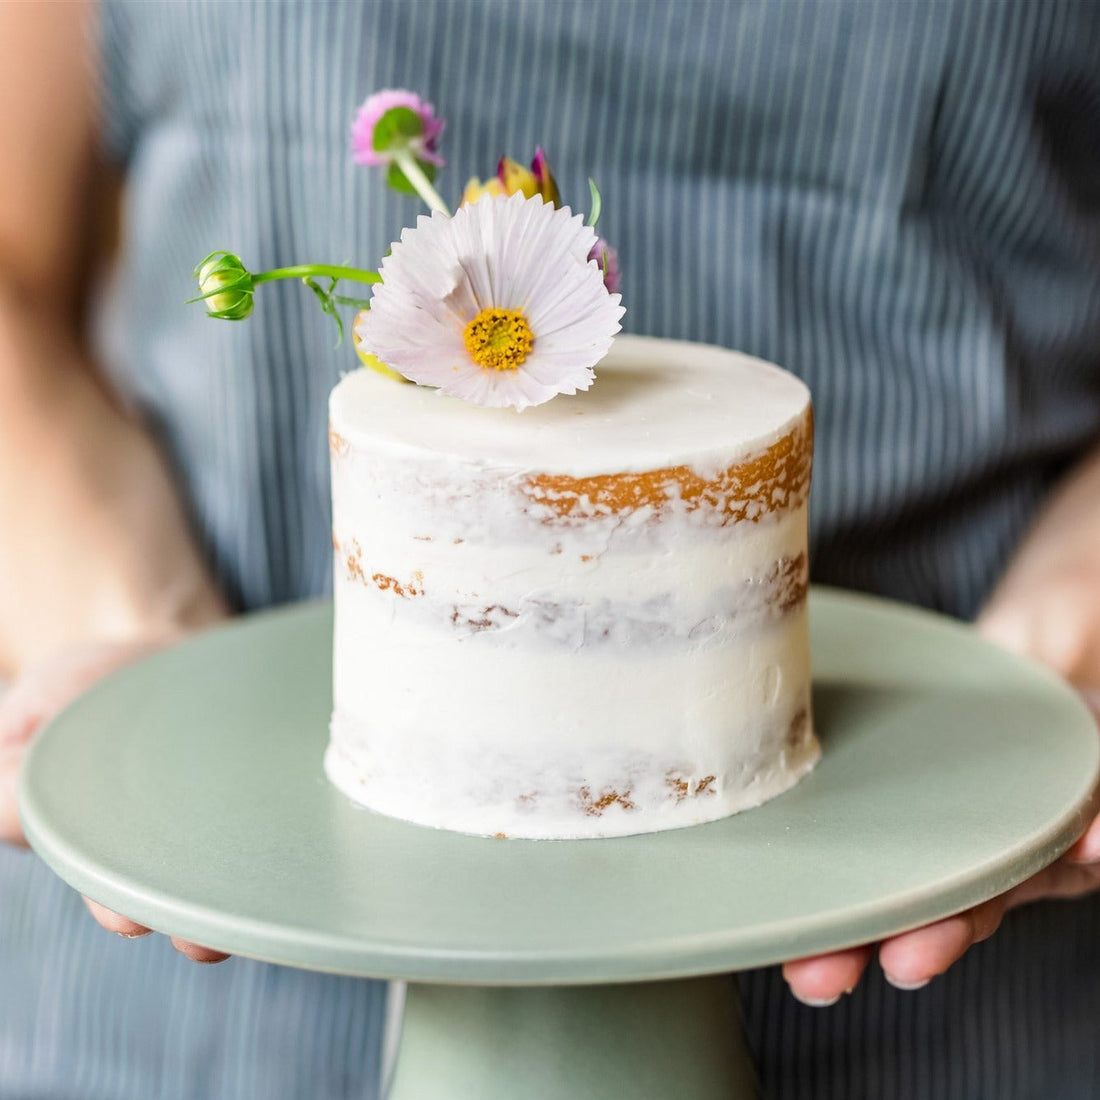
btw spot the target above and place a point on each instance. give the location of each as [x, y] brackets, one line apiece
[587, 619]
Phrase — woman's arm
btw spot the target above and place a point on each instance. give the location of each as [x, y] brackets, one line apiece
[93, 540]
[96, 559]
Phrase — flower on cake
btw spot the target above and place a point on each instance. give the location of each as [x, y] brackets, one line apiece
[499, 305]
[394, 116]
[225, 285]
[540, 169]
[507, 303]
[608, 259]
[513, 178]
[398, 130]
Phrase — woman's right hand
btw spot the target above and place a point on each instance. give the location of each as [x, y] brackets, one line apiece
[42, 691]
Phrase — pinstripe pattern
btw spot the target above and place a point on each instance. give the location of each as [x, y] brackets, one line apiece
[899, 201]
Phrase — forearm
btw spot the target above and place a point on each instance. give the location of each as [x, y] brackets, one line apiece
[94, 543]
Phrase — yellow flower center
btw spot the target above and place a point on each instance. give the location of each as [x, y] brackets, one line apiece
[499, 339]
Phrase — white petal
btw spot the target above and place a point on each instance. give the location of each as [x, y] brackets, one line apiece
[508, 253]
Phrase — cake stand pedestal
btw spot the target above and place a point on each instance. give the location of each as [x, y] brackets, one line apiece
[186, 792]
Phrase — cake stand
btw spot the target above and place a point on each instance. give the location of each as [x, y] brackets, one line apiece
[186, 792]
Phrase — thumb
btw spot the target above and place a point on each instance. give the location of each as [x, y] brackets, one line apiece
[47, 687]
[23, 710]
[37, 696]
[11, 831]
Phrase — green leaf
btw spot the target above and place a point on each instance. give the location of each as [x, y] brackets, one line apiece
[397, 179]
[597, 204]
[328, 305]
[398, 124]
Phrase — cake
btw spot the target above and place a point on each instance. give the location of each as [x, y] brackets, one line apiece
[587, 619]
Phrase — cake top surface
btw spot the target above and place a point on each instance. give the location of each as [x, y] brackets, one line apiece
[655, 403]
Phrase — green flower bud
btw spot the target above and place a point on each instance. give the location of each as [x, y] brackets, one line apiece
[225, 285]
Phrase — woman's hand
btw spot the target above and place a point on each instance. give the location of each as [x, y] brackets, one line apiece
[40, 693]
[1046, 607]
[913, 959]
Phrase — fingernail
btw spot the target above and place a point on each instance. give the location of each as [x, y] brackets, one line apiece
[816, 1002]
[899, 983]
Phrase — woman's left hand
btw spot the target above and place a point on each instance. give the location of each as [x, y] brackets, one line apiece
[913, 959]
[1046, 607]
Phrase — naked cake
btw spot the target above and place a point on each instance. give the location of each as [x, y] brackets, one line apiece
[588, 619]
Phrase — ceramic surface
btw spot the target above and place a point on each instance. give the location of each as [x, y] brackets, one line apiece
[187, 792]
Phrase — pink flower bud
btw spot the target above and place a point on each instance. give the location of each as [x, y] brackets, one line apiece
[391, 119]
[548, 188]
[608, 259]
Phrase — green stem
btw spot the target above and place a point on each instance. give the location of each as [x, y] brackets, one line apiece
[305, 271]
[415, 175]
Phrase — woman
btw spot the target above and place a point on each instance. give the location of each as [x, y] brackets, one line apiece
[897, 202]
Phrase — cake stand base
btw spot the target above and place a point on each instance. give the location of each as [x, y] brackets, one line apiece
[648, 1041]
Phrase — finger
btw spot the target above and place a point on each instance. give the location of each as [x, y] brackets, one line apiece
[1091, 696]
[821, 979]
[1064, 879]
[913, 959]
[38, 694]
[1087, 847]
[116, 922]
[53, 683]
[197, 953]
[20, 715]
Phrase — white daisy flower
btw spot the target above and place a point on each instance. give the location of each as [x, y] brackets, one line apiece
[498, 305]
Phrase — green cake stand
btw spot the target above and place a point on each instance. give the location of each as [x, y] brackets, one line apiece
[187, 792]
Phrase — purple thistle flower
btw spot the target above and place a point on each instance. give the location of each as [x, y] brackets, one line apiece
[365, 144]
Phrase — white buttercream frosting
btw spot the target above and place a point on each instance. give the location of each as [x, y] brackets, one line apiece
[655, 403]
[525, 655]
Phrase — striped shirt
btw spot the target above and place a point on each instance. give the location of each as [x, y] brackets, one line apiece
[899, 201]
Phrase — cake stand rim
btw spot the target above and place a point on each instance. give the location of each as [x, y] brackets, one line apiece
[678, 956]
